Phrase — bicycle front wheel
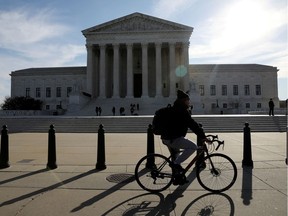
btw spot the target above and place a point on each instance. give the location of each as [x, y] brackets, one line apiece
[154, 173]
[217, 173]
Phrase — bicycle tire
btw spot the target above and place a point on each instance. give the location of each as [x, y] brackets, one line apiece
[221, 178]
[154, 173]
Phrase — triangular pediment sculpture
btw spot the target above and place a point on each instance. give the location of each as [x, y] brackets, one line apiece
[137, 22]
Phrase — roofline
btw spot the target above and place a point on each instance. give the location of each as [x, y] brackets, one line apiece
[88, 30]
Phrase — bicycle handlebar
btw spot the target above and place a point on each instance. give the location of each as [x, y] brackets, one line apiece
[215, 139]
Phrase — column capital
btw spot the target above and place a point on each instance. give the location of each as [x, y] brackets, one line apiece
[102, 45]
[89, 46]
[186, 43]
[144, 44]
[158, 44]
[172, 43]
[115, 44]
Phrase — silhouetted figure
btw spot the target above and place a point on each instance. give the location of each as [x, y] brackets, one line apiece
[113, 111]
[97, 111]
[271, 107]
[122, 110]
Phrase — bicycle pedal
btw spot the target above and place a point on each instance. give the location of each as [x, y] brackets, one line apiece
[180, 179]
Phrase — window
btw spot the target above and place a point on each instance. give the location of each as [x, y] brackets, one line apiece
[47, 107]
[258, 89]
[27, 92]
[235, 89]
[213, 106]
[69, 90]
[48, 92]
[201, 89]
[247, 105]
[246, 90]
[225, 105]
[212, 90]
[38, 92]
[259, 105]
[58, 92]
[224, 90]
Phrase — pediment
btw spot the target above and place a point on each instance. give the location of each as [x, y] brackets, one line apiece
[136, 22]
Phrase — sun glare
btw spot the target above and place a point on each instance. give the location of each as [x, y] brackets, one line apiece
[244, 22]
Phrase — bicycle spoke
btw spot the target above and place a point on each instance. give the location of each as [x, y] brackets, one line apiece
[219, 174]
[156, 177]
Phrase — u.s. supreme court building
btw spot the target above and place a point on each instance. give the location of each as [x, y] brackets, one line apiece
[140, 59]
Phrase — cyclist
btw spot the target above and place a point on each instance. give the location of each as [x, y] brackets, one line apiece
[174, 134]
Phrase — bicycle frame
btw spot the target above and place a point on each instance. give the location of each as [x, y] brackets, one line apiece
[201, 152]
[195, 159]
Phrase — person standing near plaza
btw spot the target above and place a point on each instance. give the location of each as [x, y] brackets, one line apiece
[271, 107]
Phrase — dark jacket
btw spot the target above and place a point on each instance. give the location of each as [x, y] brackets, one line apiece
[179, 123]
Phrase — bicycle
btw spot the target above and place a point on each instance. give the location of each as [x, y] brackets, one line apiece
[215, 172]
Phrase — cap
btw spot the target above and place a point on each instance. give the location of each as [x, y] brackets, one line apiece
[182, 95]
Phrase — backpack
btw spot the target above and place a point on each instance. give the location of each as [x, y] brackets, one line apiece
[161, 120]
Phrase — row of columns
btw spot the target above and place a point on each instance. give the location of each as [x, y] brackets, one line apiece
[91, 76]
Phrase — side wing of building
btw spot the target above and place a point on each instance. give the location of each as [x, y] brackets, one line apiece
[234, 88]
[51, 85]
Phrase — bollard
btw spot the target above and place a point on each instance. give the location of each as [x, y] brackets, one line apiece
[286, 146]
[247, 151]
[150, 146]
[100, 165]
[199, 143]
[51, 148]
[150, 140]
[4, 155]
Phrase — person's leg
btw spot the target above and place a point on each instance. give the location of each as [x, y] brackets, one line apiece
[188, 147]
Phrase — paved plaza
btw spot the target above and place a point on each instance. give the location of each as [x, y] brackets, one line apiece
[77, 188]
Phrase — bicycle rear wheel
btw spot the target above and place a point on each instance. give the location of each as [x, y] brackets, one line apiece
[154, 173]
[218, 175]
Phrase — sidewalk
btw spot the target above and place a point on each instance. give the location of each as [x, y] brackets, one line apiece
[76, 188]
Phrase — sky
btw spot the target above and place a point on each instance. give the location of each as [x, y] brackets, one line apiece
[42, 33]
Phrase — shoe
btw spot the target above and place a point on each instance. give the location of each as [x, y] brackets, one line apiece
[180, 179]
[178, 169]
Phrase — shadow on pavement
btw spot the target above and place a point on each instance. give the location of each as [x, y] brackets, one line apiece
[246, 192]
[43, 190]
[211, 204]
[23, 176]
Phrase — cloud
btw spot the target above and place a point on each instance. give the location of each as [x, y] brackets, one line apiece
[20, 27]
[33, 38]
[168, 9]
[243, 32]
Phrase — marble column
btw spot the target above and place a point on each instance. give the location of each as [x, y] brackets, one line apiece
[144, 70]
[89, 77]
[158, 70]
[172, 69]
[186, 78]
[129, 70]
[102, 89]
[116, 71]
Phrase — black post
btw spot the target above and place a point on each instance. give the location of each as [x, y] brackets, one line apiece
[4, 154]
[150, 140]
[51, 148]
[200, 143]
[100, 165]
[150, 146]
[247, 151]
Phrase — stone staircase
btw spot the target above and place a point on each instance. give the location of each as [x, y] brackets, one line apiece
[139, 124]
[147, 106]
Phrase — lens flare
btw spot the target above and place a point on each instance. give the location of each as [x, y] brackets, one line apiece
[181, 71]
